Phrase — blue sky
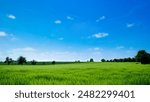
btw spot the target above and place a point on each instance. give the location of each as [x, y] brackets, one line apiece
[69, 30]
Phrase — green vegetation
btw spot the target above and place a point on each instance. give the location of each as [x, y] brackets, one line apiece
[106, 73]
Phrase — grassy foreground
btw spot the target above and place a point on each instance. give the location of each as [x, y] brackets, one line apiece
[76, 74]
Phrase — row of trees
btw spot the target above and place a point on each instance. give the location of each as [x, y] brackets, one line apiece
[142, 56]
[20, 60]
[120, 60]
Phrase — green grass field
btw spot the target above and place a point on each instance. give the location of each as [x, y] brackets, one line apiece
[76, 74]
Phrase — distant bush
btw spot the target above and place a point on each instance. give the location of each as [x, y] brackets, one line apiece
[8, 60]
[103, 60]
[122, 60]
[53, 62]
[21, 60]
[91, 60]
[33, 62]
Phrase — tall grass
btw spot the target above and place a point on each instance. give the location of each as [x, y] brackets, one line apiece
[76, 74]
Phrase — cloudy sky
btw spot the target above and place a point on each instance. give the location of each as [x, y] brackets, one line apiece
[68, 30]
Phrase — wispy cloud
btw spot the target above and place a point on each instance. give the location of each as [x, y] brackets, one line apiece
[61, 38]
[130, 25]
[67, 55]
[11, 16]
[31, 53]
[3, 34]
[26, 49]
[58, 22]
[100, 35]
[28, 52]
[119, 47]
[13, 38]
[96, 48]
[70, 18]
[101, 18]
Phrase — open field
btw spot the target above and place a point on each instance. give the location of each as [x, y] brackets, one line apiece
[76, 74]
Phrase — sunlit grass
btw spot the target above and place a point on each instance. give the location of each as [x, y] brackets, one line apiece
[76, 74]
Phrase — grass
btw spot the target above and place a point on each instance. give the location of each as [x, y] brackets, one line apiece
[76, 74]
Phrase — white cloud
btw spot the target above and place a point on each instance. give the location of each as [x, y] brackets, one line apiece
[96, 51]
[119, 47]
[101, 18]
[26, 49]
[58, 22]
[70, 18]
[96, 48]
[61, 38]
[3, 34]
[100, 35]
[40, 55]
[13, 37]
[130, 25]
[28, 52]
[11, 16]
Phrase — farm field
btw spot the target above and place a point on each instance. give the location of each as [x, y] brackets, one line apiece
[96, 73]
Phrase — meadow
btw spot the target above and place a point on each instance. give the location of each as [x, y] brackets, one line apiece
[96, 73]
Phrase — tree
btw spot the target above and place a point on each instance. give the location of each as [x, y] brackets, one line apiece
[53, 62]
[115, 60]
[111, 60]
[91, 60]
[8, 60]
[21, 60]
[103, 60]
[120, 60]
[125, 60]
[133, 60]
[139, 55]
[33, 62]
[129, 59]
[145, 58]
[107, 61]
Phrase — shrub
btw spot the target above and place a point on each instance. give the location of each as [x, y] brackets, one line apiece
[91, 60]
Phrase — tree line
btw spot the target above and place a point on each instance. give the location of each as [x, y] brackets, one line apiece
[142, 56]
[22, 60]
[120, 60]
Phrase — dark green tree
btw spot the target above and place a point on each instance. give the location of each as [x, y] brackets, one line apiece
[133, 60]
[8, 60]
[91, 60]
[145, 58]
[33, 62]
[111, 60]
[103, 60]
[125, 60]
[21, 60]
[129, 59]
[139, 55]
[53, 62]
[120, 60]
[107, 61]
[115, 60]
